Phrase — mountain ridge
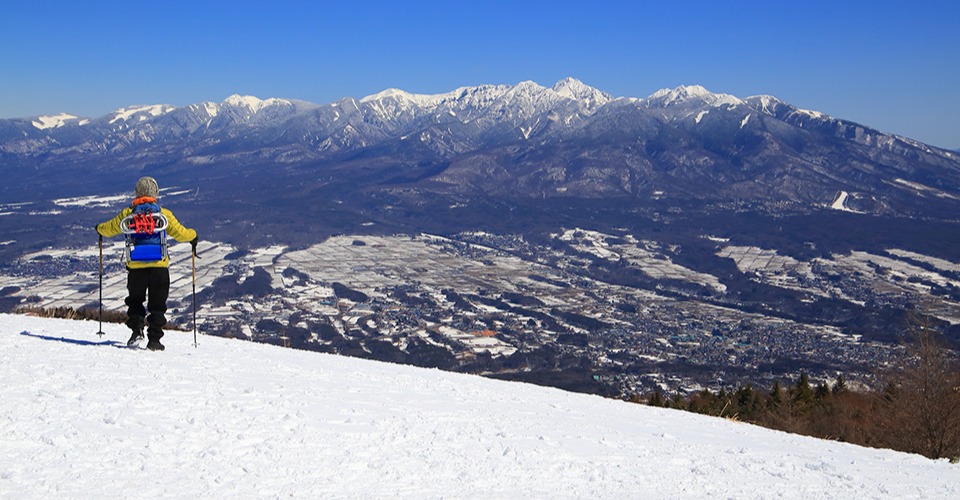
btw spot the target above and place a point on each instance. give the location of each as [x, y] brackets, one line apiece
[477, 98]
[570, 140]
[472, 98]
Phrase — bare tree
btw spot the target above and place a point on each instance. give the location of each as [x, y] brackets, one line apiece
[921, 403]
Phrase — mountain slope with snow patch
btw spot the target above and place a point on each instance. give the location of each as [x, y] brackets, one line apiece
[84, 417]
[524, 141]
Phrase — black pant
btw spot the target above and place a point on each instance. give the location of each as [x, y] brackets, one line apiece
[156, 281]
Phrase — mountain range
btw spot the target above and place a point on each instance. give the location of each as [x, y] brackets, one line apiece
[522, 141]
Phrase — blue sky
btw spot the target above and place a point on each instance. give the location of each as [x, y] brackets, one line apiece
[891, 65]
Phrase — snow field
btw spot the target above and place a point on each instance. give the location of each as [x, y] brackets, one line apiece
[84, 418]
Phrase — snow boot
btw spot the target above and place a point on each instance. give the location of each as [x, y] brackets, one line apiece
[136, 326]
[153, 339]
[136, 338]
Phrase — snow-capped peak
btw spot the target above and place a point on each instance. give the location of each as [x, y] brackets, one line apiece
[210, 108]
[393, 101]
[141, 112]
[422, 100]
[530, 85]
[681, 92]
[53, 121]
[243, 100]
[575, 89]
[387, 94]
[522, 99]
[764, 103]
[572, 88]
[668, 97]
[252, 103]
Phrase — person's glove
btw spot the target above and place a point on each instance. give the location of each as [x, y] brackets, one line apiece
[193, 244]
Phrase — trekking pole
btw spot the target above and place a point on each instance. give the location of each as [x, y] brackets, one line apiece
[194, 265]
[100, 333]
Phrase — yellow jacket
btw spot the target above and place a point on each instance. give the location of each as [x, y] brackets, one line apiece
[175, 229]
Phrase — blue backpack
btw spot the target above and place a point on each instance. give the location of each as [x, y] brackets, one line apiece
[145, 231]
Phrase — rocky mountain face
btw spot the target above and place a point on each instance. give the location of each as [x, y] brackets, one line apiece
[521, 141]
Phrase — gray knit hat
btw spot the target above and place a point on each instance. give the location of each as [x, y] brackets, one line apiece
[146, 186]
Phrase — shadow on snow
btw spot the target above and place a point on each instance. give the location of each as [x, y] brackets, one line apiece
[73, 341]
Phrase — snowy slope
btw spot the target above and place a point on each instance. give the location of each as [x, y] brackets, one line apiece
[82, 418]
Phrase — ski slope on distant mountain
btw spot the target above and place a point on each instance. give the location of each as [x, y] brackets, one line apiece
[83, 417]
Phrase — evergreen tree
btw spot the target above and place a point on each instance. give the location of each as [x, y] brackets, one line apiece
[822, 392]
[803, 393]
[748, 404]
[840, 386]
[776, 396]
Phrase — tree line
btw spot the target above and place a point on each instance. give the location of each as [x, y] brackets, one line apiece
[914, 408]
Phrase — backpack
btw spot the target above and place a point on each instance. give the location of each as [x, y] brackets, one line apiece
[145, 231]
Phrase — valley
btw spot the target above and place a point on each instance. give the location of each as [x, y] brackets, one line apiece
[606, 311]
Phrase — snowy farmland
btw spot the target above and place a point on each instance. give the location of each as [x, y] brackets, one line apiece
[78, 283]
[648, 256]
[898, 273]
[778, 270]
[464, 296]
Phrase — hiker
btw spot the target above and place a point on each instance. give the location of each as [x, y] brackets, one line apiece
[145, 226]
